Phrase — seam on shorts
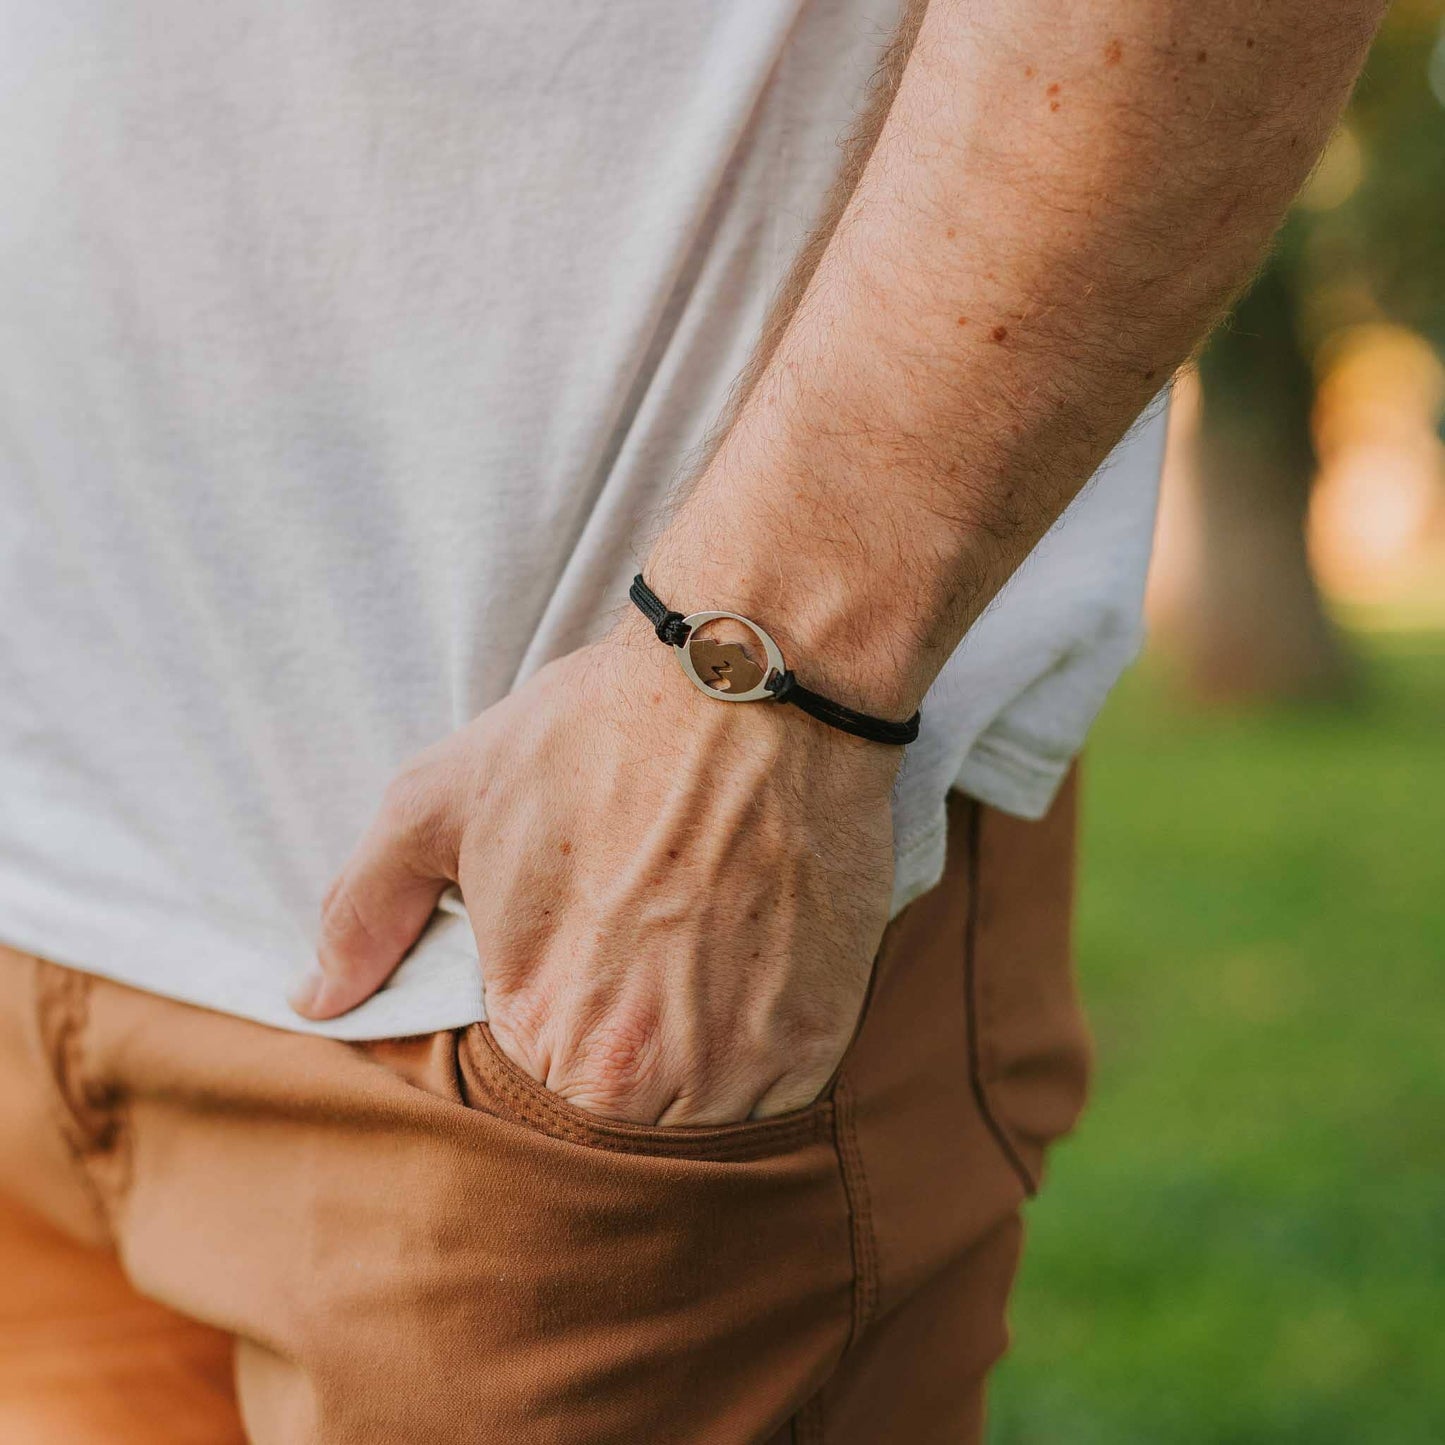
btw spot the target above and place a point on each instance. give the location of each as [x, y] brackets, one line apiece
[62, 1012]
[860, 1214]
[972, 1002]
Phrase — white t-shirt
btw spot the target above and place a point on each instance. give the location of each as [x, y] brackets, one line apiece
[345, 352]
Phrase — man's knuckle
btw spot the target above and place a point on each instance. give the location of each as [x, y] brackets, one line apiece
[621, 1056]
[809, 1027]
[813, 1052]
[695, 1050]
[518, 1015]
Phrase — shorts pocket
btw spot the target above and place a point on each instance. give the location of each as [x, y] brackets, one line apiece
[495, 1085]
[558, 1279]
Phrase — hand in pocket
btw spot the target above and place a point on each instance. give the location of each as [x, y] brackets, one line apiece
[676, 903]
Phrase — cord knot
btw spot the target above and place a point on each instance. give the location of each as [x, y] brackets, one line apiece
[780, 684]
[670, 629]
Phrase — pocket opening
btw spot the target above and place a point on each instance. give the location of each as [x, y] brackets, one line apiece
[495, 1085]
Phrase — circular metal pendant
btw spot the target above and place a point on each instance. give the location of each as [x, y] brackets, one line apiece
[727, 670]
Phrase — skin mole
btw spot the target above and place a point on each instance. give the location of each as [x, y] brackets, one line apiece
[1114, 51]
[999, 333]
[672, 853]
[1202, 56]
[566, 847]
[963, 320]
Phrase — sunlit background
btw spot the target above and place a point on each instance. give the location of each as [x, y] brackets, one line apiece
[1246, 1239]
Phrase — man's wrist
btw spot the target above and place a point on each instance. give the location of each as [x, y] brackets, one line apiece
[687, 724]
[853, 618]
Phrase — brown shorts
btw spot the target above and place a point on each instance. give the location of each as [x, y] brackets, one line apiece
[414, 1242]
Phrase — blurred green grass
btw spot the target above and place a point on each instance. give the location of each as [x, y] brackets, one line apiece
[1245, 1241]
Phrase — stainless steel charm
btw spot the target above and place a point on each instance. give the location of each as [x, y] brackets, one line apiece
[728, 671]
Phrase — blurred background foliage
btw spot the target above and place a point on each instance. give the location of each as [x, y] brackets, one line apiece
[1246, 1239]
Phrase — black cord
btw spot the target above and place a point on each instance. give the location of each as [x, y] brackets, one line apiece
[669, 627]
[666, 624]
[786, 688]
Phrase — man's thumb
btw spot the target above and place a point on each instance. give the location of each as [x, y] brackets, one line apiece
[373, 913]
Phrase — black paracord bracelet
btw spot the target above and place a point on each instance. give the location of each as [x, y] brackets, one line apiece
[728, 671]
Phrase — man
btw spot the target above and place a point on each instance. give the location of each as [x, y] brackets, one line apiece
[351, 353]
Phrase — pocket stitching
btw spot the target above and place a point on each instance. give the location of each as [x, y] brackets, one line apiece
[537, 1106]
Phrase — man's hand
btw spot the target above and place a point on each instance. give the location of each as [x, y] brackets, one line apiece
[676, 901]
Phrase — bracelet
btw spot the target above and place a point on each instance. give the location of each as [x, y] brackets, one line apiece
[728, 672]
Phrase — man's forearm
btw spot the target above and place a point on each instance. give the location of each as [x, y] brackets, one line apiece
[1058, 203]
[1060, 198]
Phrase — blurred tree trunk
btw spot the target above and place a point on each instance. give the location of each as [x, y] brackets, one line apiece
[1252, 625]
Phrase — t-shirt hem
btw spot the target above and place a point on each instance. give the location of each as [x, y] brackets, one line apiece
[203, 970]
